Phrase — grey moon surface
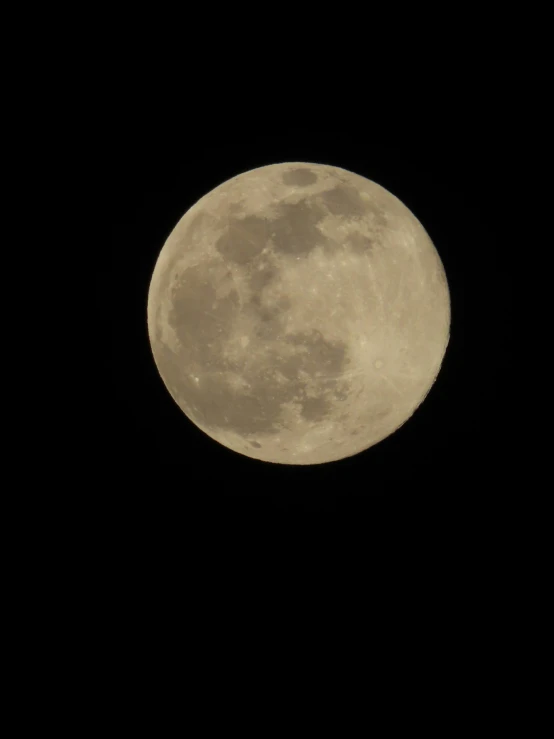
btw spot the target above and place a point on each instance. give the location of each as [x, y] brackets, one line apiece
[298, 313]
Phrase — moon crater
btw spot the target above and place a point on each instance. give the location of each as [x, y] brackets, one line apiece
[300, 177]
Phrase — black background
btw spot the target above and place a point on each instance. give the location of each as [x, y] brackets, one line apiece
[446, 469]
[166, 542]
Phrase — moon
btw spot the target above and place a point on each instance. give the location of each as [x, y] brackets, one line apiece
[298, 313]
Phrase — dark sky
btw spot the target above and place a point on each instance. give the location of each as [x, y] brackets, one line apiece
[448, 465]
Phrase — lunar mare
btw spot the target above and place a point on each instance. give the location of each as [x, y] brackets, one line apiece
[298, 313]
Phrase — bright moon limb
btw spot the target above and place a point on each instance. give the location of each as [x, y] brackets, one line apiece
[298, 313]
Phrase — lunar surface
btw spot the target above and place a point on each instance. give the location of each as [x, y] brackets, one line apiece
[298, 313]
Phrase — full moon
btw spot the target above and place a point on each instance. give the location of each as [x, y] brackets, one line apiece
[299, 313]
